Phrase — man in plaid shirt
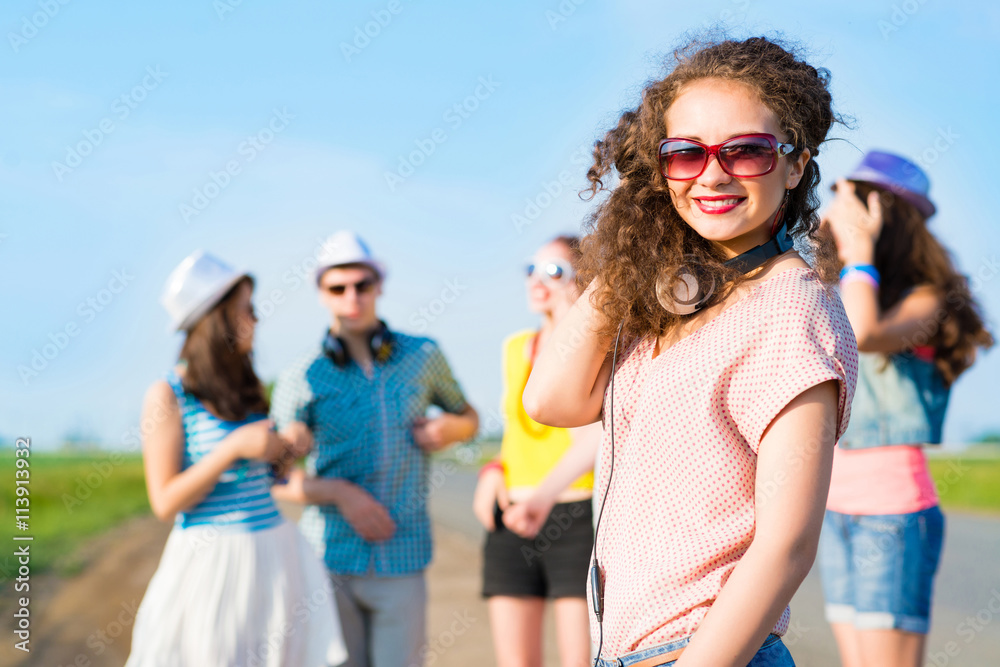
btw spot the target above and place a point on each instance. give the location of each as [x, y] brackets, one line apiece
[363, 394]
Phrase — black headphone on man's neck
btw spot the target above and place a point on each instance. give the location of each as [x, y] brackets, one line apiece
[380, 341]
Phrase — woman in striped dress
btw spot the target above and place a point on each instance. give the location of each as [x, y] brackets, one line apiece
[236, 585]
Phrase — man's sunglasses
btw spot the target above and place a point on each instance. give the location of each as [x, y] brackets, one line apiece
[551, 271]
[361, 287]
[745, 156]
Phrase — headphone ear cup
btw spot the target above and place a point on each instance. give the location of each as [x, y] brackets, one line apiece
[333, 347]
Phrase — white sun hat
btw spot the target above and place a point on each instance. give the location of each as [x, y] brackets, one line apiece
[345, 247]
[195, 286]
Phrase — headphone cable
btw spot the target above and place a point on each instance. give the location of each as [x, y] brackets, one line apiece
[596, 580]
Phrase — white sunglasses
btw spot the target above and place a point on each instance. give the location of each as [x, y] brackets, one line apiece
[551, 271]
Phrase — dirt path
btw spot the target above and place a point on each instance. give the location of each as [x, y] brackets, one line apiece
[86, 620]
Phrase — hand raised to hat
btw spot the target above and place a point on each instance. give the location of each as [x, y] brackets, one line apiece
[855, 227]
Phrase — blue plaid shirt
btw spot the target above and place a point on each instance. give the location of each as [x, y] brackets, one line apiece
[362, 430]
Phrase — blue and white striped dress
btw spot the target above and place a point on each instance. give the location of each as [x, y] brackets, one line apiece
[242, 498]
[237, 584]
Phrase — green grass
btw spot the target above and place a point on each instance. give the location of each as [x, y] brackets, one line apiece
[969, 482]
[72, 497]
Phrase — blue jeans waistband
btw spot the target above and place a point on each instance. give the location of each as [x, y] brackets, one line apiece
[661, 649]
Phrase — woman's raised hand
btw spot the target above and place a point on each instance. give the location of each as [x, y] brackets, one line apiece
[855, 227]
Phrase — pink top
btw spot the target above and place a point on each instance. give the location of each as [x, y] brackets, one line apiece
[881, 480]
[688, 424]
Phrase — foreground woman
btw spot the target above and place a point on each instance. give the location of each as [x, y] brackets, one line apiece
[722, 366]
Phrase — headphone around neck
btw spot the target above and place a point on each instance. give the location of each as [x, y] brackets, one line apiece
[380, 341]
[687, 290]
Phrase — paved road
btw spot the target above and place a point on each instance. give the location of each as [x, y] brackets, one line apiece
[966, 626]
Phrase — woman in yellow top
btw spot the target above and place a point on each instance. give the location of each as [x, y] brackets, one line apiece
[520, 573]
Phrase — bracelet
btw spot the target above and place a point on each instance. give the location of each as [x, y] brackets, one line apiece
[491, 465]
[867, 269]
[859, 277]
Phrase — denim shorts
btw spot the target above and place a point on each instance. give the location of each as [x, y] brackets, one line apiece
[878, 571]
[772, 653]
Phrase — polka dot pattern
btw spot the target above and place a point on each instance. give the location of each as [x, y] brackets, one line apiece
[688, 423]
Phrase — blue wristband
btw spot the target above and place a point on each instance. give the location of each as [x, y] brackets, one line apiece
[863, 268]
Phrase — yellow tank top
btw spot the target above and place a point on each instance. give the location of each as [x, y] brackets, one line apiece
[529, 450]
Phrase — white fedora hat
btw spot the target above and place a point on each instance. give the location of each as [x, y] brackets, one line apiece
[195, 286]
[345, 247]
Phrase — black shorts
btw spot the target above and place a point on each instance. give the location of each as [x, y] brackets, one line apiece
[552, 565]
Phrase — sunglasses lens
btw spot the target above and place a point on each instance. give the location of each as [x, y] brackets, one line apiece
[747, 156]
[362, 287]
[529, 270]
[554, 271]
[681, 159]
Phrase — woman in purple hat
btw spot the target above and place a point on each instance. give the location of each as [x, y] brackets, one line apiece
[918, 328]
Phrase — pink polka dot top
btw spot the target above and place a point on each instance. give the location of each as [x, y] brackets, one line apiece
[688, 424]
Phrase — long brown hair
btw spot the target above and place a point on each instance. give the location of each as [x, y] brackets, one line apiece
[907, 255]
[216, 371]
[636, 233]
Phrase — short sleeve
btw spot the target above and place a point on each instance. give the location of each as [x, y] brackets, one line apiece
[291, 399]
[446, 392]
[802, 342]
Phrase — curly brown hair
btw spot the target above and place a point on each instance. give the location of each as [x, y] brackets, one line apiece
[636, 234]
[907, 255]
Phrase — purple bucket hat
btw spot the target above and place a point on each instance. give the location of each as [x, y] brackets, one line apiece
[897, 175]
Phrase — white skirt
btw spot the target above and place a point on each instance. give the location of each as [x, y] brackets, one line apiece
[238, 599]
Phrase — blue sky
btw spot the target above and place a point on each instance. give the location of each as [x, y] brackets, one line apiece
[133, 134]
